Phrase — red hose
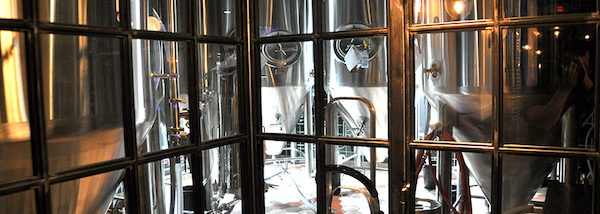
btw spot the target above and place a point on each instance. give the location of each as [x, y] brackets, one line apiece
[437, 183]
[420, 159]
[465, 187]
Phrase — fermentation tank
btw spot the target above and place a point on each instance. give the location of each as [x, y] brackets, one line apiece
[364, 76]
[15, 140]
[455, 72]
[285, 68]
[83, 118]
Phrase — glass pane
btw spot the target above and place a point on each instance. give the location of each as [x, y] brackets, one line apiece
[161, 95]
[519, 8]
[285, 17]
[11, 9]
[82, 99]
[222, 179]
[218, 91]
[345, 15]
[355, 75]
[160, 15]
[18, 203]
[549, 86]
[80, 12]
[440, 11]
[349, 193]
[290, 178]
[464, 179]
[15, 139]
[166, 186]
[547, 184]
[286, 86]
[217, 17]
[453, 84]
[94, 194]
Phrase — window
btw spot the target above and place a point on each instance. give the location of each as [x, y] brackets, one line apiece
[122, 107]
[503, 106]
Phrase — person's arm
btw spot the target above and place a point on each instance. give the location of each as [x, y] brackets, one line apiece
[546, 116]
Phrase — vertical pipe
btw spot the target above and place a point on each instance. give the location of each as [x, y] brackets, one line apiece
[444, 171]
[373, 162]
[308, 130]
[293, 149]
[444, 164]
[175, 162]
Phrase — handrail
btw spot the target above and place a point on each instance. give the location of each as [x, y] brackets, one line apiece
[372, 124]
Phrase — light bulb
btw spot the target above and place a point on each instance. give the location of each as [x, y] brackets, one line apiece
[458, 9]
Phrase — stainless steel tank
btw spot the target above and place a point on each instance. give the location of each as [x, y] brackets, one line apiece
[15, 139]
[81, 87]
[455, 70]
[219, 108]
[285, 68]
[220, 115]
[369, 80]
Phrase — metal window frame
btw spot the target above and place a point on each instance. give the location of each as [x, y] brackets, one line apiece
[399, 31]
[319, 139]
[497, 23]
[41, 180]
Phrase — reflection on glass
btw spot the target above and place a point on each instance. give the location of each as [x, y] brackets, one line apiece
[160, 15]
[285, 17]
[221, 179]
[161, 95]
[15, 147]
[453, 84]
[286, 87]
[18, 203]
[518, 8]
[370, 163]
[356, 74]
[94, 194]
[82, 98]
[80, 12]
[549, 86]
[440, 11]
[166, 186]
[290, 179]
[562, 185]
[218, 91]
[11, 9]
[217, 17]
[345, 15]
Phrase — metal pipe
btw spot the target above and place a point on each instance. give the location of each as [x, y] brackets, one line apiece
[371, 108]
[308, 130]
[569, 170]
[445, 177]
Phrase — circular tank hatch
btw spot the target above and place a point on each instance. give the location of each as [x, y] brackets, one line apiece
[280, 55]
[342, 46]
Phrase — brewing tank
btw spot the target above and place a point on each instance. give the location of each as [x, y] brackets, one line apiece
[365, 77]
[455, 72]
[285, 68]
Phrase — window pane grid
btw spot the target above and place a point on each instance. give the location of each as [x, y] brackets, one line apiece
[498, 149]
[123, 35]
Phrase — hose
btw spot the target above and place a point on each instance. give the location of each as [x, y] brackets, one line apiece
[465, 187]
